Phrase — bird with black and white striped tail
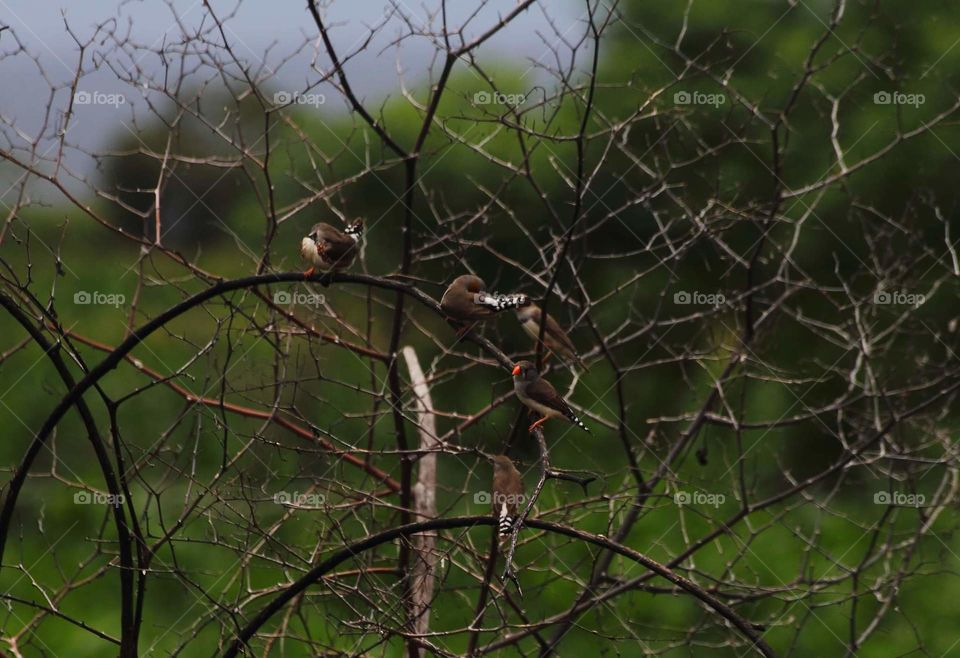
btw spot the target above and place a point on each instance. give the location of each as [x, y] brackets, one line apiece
[467, 301]
[329, 249]
[507, 495]
[540, 395]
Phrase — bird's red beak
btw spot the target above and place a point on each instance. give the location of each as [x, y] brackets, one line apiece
[516, 370]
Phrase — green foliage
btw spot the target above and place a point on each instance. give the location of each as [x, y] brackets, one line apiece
[213, 214]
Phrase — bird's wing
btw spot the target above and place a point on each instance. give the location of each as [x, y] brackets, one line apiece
[337, 244]
[543, 392]
[459, 304]
[558, 334]
[515, 489]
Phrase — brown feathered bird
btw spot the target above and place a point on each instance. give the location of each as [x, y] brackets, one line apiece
[507, 495]
[555, 339]
[466, 300]
[540, 395]
[328, 248]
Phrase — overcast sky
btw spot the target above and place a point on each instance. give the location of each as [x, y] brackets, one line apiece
[252, 27]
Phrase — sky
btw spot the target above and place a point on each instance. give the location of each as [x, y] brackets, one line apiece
[266, 35]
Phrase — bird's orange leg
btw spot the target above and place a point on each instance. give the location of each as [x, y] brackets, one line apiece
[322, 247]
[537, 424]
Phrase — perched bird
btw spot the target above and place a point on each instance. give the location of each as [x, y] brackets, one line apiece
[328, 248]
[540, 395]
[466, 300]
[555, 339]
[507, 494]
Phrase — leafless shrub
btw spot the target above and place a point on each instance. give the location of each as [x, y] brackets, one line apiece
[770, 345]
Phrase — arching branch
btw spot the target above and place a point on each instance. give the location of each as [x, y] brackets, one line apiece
[316, 573]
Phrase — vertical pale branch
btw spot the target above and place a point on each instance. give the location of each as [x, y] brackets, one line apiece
[424, 497]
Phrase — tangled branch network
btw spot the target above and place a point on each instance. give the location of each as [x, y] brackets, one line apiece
[506, 327]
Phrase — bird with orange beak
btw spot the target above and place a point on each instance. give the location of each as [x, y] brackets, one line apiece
[539, 395]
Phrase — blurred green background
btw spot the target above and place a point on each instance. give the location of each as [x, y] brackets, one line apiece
[788, 566]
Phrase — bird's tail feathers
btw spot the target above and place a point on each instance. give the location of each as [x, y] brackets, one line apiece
[576, 421]
[504, 522]
[500, 302]
[354, 229]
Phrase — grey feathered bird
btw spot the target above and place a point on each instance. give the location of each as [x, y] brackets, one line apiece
[540, 395]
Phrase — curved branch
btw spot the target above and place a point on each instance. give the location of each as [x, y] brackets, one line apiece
[128, 636]
[372, 541]
[139, 335]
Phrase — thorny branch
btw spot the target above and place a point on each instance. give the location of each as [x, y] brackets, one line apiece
[718, 226]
